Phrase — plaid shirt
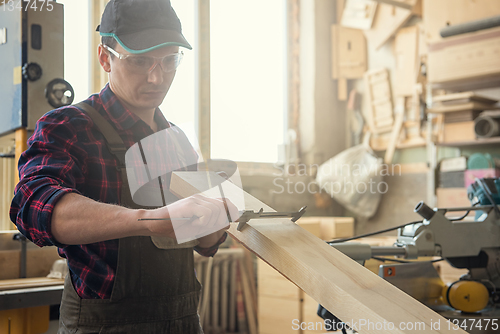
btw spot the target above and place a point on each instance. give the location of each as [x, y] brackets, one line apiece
[67, 153]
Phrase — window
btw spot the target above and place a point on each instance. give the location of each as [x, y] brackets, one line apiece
[179, 104]
[76, 43]
[248, 79]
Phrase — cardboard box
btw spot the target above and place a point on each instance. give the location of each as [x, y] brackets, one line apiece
[276, 315]
[328, 228]
[453, 198]
[459, 132]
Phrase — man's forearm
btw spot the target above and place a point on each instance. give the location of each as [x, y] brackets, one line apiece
[80, 220]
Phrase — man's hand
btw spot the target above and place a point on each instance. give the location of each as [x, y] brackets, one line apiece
[209, 219]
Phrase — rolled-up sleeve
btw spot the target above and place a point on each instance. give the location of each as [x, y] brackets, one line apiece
[52, 166]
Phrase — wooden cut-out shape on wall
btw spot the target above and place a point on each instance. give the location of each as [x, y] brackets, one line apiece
[358, 14]
[348, 53]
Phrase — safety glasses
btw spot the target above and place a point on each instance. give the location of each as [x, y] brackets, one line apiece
[145, 64]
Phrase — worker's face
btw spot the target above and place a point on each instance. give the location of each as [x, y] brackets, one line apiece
[139, 91]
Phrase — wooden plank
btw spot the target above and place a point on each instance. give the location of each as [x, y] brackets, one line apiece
[322, 272]
[387, 22]
[25, 283]
[461, 107]
[457, 97]
[405, 48]
[273, 284]
[391, 147]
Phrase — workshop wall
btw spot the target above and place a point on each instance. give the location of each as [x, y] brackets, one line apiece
[322, 122]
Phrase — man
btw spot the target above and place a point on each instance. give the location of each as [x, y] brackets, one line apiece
[125, 275]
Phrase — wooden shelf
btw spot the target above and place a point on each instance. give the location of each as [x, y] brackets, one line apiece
[488, 141]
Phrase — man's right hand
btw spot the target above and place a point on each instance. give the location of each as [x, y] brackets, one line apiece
[209, 215]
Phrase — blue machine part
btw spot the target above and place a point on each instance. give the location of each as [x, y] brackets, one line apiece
[12, 106]
[483, 188]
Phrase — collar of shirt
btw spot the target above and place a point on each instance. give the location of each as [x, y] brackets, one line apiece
[121, 117]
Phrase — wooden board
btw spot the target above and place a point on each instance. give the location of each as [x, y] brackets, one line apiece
[439, 14]
[465, 58]
[340, 284]
[406, 51]
[444, 108]
[396, 131]
[468, 96]
[25, 283]
[358, 14]
[387, 22]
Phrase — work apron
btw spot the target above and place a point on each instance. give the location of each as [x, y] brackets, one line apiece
[155, 288]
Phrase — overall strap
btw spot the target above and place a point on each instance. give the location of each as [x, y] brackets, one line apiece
[115, 145]
[113, 140]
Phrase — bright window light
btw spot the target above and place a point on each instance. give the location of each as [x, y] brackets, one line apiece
[76, 43]
[248, 79]
[179, 104]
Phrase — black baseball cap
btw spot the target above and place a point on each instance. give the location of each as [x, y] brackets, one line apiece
[141, 26]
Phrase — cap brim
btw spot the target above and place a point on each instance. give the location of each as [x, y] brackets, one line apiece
[149, 40]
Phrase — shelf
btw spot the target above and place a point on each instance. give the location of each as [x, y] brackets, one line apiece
[488, 141]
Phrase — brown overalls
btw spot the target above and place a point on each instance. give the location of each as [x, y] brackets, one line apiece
[155, 289]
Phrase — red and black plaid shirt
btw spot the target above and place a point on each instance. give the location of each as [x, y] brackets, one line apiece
[67, 153]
